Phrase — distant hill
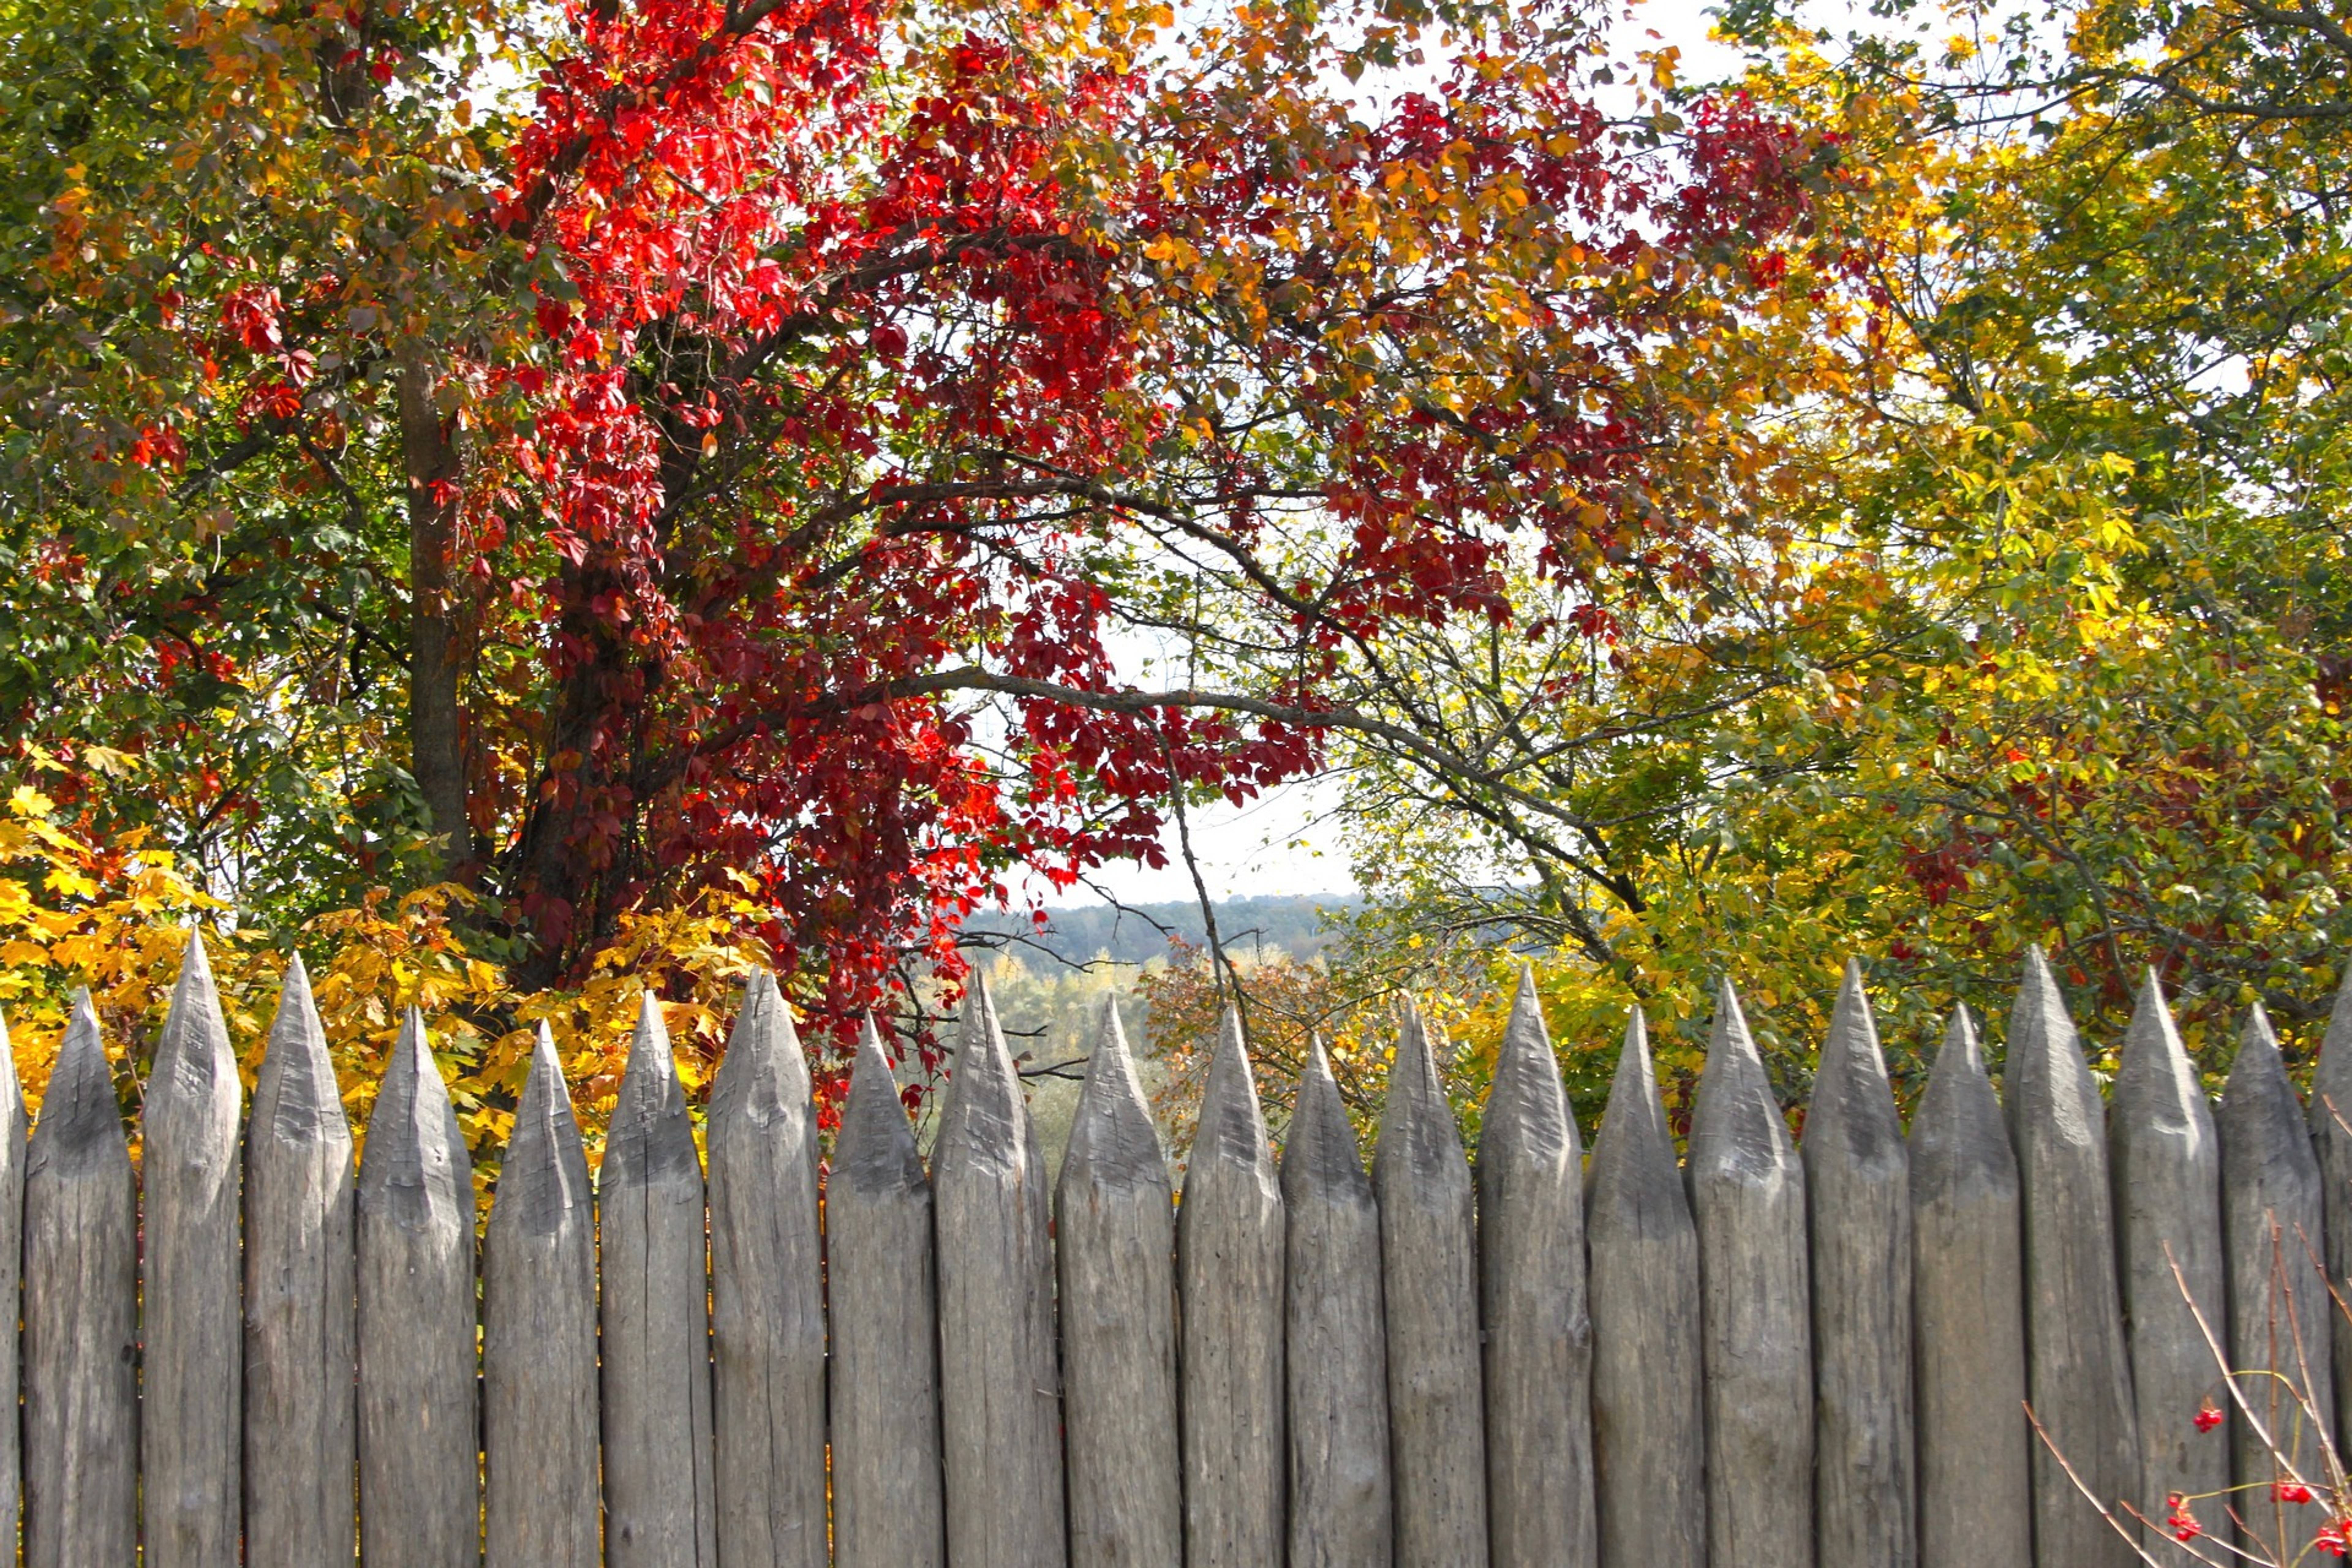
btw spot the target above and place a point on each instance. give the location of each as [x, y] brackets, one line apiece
[1078, 933]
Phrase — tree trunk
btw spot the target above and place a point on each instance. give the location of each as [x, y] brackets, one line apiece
[436, 744]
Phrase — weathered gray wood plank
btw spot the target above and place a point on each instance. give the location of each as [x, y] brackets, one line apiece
[2078, 1371]
[767, 1274]
[654, 1318]
[1747, 1195]
[2270, 1227]
[888, 1506]
[1229, 1241]
[1858, 1198]
[2331, 1134]
[419, 1422]
[1115, 1239]
[1531, 1286]
[1429, 1280]
[13, 1124]
[999, 1387]
[1649, 1420]
[1968, 1252]
[190, 1429]
[82, 1379]
[2166, 1161]
[302, 1354]
[541, 1503]
[1335, 1357]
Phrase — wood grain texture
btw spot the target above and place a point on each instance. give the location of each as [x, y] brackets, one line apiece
[1967, 1300]
[302, 1353]
[1748, 1197]
[81, 1336]
[419, 1421]
[13, 1124]
[1858, 1205]
[1229, 1245]
[2165, 1160]
[1429, 1280]
[541, 1503]
[2078, 1371]
[1115, 1237]
[1649, 1416]
[190, 1427]
[1000, 1385]
[2331, 1136]
[1531, 1275]
[889, 1501]
[1335, 1359]
[654, 1318]
[767, 1276]
[2270, 1227]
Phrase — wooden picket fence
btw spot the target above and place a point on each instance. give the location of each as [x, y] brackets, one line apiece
[1769, 1354]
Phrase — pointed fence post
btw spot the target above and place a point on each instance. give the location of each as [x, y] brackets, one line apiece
[1747, 1195]
[1649, 1421]
[1000, 1390]
[1968, 1298]
[2279, 1306]
[419, 1421]
[2331, 1136]
[2165, 1158]
[1531, 1290]
[1229, 1242]
[1858, 1197]
[81, 1284]
[1115, 1239]
[194, 1366]
[654, 1318]
[12, 1279]
[541, 1501]
[2078, 1372]
[301, 1355]
[1429, 1278]
[767, 1293]
[1334, 1352]
[888, 1505]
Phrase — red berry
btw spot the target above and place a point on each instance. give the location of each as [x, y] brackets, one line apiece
[2209, 1416]
[2289, 1491]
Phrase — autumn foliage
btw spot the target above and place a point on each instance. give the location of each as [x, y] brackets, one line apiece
[642, 462]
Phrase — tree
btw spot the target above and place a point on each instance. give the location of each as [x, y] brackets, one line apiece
[744, 466]
[2046, 636]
